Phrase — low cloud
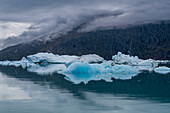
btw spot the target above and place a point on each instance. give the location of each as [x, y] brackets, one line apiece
[56, 16]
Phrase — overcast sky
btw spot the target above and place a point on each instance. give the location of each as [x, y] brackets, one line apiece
[22, 20]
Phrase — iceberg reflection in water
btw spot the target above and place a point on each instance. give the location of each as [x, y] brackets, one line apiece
[146, 92]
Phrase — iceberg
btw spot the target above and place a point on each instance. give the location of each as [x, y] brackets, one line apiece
[133, 61]
[125, 59]
[85, 68]
[44, 59]
[10, 63]
[162, 70]
[84, 72]
[91, 58]
[50, 58]
[63, 59]
[79, 67]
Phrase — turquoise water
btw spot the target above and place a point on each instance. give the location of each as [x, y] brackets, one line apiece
[25, 92]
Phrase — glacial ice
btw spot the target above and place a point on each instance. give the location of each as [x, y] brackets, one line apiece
[51, 58]
[133, 61]
[91, 58]
[84, 72]
[85, 68]
[162, 70]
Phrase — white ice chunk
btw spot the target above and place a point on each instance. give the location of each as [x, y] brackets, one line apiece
[162, 70]
[125, 59]
[51, 58]
[10, 63]
[91, 58]
[24, 63]
[143, 65]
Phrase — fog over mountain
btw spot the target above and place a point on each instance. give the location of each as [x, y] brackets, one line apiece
[25, 20]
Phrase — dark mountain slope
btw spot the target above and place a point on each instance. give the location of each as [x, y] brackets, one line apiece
[145, 41]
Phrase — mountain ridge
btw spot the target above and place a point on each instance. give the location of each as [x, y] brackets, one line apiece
[149, 40]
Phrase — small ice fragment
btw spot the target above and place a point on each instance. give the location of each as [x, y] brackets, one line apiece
[162, 70]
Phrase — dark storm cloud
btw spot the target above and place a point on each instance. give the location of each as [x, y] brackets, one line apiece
[31, 9]
[48, 16]
[36, 10]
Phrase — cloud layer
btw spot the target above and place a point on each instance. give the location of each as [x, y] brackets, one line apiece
[47, 16]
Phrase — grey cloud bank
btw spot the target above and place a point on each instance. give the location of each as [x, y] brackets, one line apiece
[47, 16]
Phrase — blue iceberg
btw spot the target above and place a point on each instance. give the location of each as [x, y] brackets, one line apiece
[84, 72]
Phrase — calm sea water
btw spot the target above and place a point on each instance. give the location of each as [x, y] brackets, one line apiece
[24, 92]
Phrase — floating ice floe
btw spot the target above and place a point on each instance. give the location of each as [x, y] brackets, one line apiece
[91, 58]
[162, 70]
[132, 61]
[84, 72]
[51, 58]
[85, 68]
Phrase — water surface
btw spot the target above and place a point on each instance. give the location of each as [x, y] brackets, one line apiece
[25, 92]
